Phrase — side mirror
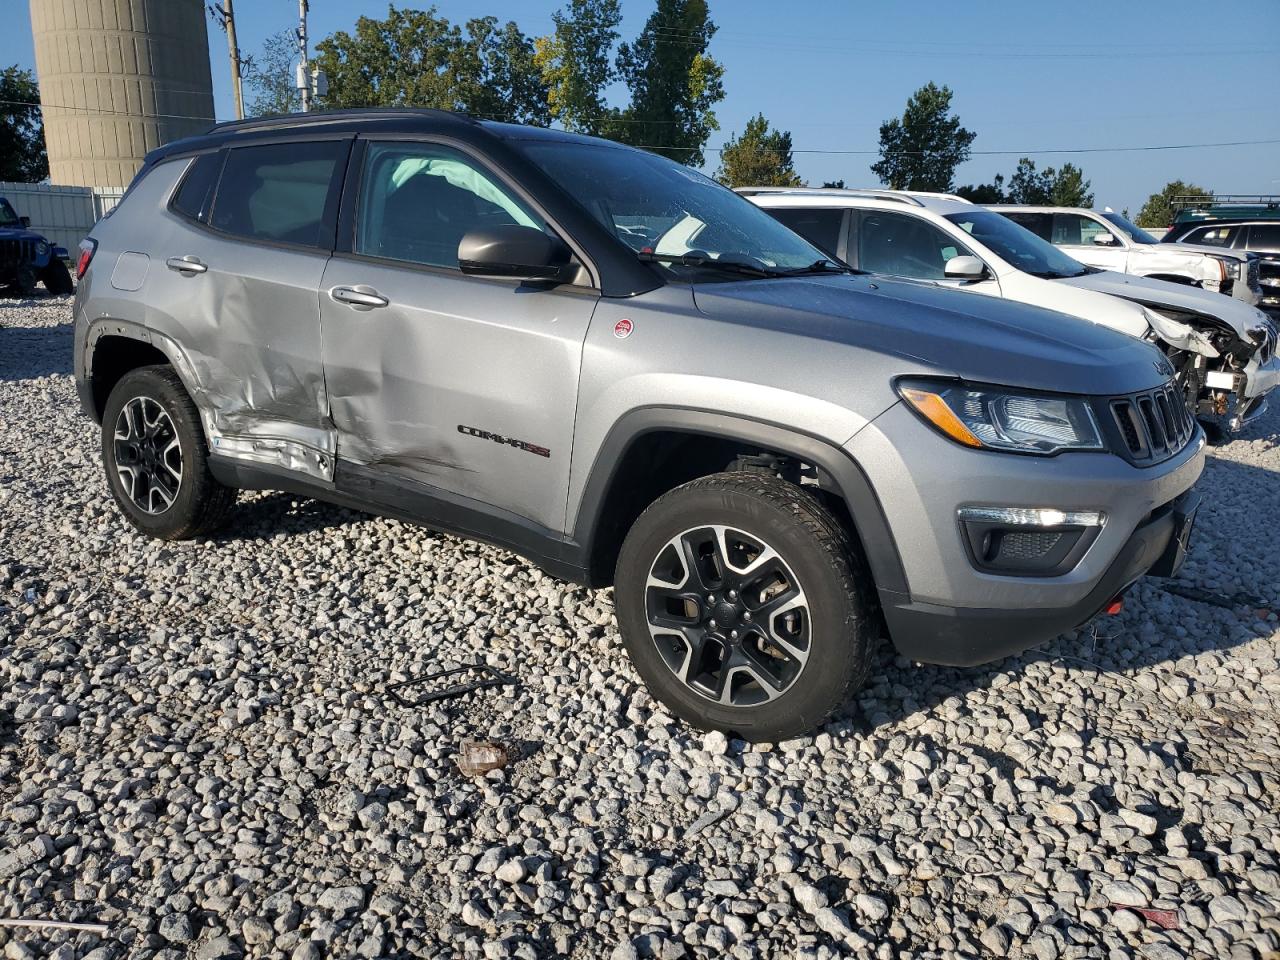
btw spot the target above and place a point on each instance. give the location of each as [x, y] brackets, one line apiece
[965, 268]
[1104, 239]
[25, 221]
[508, 250]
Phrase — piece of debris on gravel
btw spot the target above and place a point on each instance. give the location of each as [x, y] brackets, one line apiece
[198, 749]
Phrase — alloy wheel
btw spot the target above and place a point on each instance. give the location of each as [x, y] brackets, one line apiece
[148, 456]
[727, 615]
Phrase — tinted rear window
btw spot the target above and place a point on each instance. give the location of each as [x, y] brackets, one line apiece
[283, 192]
[820, 227]
[1264, 236]
[192, 197]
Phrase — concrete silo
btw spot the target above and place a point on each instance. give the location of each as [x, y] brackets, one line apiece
[119, 78]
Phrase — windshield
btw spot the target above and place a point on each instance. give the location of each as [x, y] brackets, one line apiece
[1018, 245]
[7, 217]
[660, 208]
[1132, 230]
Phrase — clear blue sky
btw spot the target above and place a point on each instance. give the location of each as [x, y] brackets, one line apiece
[1027, 77]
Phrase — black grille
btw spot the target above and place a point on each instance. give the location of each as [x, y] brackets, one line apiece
[17, 251]
[1027, 545]
[1153, 425]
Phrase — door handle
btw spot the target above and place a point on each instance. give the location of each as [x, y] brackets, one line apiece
[362, 297]
[190, 265]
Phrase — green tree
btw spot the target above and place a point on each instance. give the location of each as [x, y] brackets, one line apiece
[921, 150]
[761, 157]
[1158, 210]
[22, 154]
[833, 184]
[576, 63]
[674, 83]
[1070, 188]
[270, 75]
[1031, 186]
[992, 192]
[417, 58]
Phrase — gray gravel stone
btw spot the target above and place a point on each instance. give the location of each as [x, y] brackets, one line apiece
[202, 730]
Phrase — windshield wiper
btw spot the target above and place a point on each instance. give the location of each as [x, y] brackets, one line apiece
[697, 260]
[820, 266]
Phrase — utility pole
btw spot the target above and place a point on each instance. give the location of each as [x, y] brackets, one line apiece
[237, 87]
[304, 64]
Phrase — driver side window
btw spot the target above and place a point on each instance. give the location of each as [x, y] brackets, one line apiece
[903, 246]
[418, 200]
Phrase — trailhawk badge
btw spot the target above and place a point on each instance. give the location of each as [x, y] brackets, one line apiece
[622, 329]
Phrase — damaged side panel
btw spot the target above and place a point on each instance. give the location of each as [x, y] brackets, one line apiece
[248, 323]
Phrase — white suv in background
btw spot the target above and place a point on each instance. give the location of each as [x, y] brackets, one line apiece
[1223, 349]
[1110, 242]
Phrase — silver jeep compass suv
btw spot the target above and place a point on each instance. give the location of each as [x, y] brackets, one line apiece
[606, 362]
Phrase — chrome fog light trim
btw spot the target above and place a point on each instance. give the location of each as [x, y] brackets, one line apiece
[1033, 516]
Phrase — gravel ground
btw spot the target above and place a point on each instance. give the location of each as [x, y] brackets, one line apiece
[199, 750]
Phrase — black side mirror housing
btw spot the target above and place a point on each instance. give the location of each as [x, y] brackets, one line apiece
[25, 221]
[509, 250]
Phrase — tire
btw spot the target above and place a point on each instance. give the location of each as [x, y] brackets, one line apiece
[822, 626]
[140, 452]
[57, 279]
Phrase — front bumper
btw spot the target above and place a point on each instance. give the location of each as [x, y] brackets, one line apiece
[965, 636]
[953, 612]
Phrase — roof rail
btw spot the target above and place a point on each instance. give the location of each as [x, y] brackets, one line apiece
[1190, 202]
[321, 116]
[894, 195]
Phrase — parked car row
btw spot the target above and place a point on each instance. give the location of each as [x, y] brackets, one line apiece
[1223, 347]
[607, 362]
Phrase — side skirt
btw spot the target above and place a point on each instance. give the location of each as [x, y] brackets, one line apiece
[360, 488]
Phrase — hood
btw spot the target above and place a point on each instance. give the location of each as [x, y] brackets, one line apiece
[1229, 311]
[20, 233]
[943, 331]
[1197, 249]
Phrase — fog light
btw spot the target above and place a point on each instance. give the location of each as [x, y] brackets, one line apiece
[1028, 541]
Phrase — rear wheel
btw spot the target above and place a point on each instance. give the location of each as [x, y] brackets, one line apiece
[745, 607]
[157, 463]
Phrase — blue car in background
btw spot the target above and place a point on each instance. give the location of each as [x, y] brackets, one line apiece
[27, 258]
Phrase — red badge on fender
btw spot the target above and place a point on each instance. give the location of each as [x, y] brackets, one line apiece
[622, 329]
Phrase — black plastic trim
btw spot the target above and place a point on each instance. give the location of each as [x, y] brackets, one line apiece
[362, 488]
[853, 485]
[967, 636]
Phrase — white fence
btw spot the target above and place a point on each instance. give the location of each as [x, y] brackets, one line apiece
[63, 214]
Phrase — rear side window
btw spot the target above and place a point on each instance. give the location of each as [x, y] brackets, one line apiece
[1264, 236]
[821, 227]
[1041, 224]
[281, 192]
[1213, 236]
[196, 190]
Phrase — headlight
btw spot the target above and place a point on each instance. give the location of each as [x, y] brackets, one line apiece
[994, 418]
[1228, 268]
[42, 248]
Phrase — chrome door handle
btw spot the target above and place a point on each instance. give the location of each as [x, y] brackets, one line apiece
[362, 297]
[186, 265]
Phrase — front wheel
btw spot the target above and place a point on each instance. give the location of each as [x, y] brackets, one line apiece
[157, 464]
[57, 279]
[745, 607]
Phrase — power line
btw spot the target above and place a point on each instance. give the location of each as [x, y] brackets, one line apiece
[815, 151]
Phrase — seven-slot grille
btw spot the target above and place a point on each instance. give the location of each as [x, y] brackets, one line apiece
[19, 251]
[1155, 424]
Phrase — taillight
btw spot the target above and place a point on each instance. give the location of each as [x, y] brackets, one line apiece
[88, 247]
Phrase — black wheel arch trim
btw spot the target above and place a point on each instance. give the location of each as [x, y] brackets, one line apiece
[130, 330]
[851, 481]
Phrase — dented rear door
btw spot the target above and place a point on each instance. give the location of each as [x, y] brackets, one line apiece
[243, 278]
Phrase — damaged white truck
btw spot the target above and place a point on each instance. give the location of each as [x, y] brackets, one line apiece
[1109, 241]
[1223, 349]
